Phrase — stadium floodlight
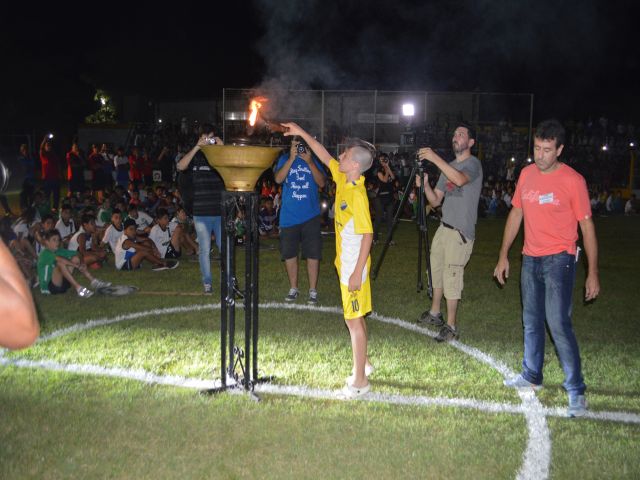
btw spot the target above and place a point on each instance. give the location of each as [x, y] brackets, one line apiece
[159, 120]
[408, 109]
[632, 144]
[605, 148]
[513, 159]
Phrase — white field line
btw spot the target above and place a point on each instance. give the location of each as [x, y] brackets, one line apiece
[537, 455]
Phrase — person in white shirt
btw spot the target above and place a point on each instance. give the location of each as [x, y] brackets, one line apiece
[129, 254]
[65, 224]
[167, 240]
[143, 220]
[113, 231]
[82, 241]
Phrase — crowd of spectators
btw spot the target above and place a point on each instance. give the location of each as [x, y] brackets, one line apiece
[104, 188]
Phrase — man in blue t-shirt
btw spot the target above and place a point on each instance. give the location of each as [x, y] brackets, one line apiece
[301, 176]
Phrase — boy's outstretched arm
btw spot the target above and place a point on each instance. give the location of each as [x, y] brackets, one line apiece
[294, 129]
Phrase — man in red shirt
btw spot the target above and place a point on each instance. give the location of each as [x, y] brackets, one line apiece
[51, 165]
[553, 199]
[135, 167]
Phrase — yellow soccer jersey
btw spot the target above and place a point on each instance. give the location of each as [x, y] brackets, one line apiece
[352, 220]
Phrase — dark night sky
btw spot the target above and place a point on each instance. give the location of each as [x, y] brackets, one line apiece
[579, 57]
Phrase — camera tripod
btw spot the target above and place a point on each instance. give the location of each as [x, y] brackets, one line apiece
[423, 233]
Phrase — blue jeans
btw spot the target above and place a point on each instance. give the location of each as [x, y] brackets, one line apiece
[204, 227]
[547, 287]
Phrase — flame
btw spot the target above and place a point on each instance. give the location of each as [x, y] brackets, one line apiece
[256, 104]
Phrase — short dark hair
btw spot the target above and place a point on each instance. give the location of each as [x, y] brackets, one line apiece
[129, 222]
[551, 129]
[470, 129]
[65, 206]
[45, 217]
[87, 218]
[116, 210]
[161, 212]
[132, 207]
[207, 128]
[50, 234]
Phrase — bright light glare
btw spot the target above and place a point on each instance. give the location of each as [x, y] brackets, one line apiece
[513, 159]
[408, 109]
[605, 148]
[103, 100]
[632, 144]
[159, 120]
[529, 160]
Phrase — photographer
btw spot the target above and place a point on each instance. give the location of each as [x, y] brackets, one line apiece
[459, 186]
[301, 176]
[384, 200]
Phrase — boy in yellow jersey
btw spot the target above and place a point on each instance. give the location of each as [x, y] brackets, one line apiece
[354, 235]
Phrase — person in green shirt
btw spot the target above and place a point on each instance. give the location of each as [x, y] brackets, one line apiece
[56, 266]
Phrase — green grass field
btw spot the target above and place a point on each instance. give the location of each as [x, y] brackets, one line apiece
[57, 424]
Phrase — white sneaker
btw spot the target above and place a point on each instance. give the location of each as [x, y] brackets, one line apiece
[349, 392]
[84, 292]
[95, 283]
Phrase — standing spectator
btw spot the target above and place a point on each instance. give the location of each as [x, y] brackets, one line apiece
[135, 167]
[99, 181]
[384, 201]
[75, 170]
[553, 199]
[631, 206]
[107, 166]
[300, 224]
[206, 197]
[51, 166]
[459, 186]
[28, 164]
[121, 164]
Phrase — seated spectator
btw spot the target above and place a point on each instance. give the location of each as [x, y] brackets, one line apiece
[188, 238]
[56, 266]
[129, 253]
[113, 231]
[46, 225]
[20, 249]
[267, 219]
[168, 240]
[151, 202]
[65, 224]
[135, 198]
[104, 215]
[85, 242]
[142, 219]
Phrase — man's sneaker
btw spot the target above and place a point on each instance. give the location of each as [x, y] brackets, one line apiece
[84, 292]
[520, 382]
[430, 319]
[208, 289]
[95, 283]
[368, 370]
[171, 264]
[446, 334]
[159, 268]
[292, 296]
[349, 392]
[577, 406]
[313, 297]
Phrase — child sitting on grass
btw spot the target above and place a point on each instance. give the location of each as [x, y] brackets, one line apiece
[267, 219]
[129, 253]
[354, 236]
[85, 242]
[56, 265]
[181, 218]
[168, 240]
[113, 231]
[65, 225]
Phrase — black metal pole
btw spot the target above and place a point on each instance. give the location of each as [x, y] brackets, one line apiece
[223, 296]
[248, 296]
[255, 249]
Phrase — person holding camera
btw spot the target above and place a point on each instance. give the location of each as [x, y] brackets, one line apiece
[459, 187]
[384, 201]
[206, 196]
[301, 177]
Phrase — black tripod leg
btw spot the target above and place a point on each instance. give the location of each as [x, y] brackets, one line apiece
[396, 217]
[427, 251]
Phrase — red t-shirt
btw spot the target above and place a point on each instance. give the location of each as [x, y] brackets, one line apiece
[553, 204]
[50, 165]
[135, 167]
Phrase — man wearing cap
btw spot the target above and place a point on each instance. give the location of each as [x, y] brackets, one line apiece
[459, 187]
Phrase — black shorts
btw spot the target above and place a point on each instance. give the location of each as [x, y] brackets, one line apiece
[307, 235]
[55, 289]
[172, 252]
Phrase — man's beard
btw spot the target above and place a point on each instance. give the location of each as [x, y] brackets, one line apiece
[457, 148]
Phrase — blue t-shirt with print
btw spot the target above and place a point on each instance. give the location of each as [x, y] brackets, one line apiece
[300, 199]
